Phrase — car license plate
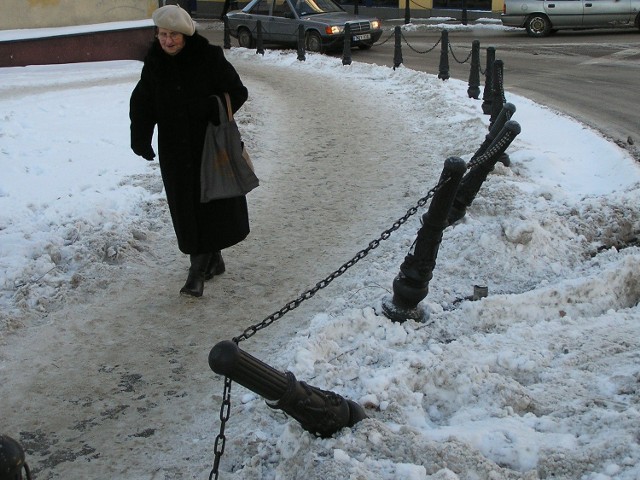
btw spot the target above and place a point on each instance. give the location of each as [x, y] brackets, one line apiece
[364, 36]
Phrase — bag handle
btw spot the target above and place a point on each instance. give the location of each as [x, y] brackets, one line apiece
[228, 103]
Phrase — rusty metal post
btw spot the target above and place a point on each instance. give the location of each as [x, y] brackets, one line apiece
[474, 74]
[397, 49]
[12, 460]
[226, 43]
[443, 71]
[477, 174]
[301, 50]
[259, 41]
[411, 285]
[319, 412]
[488, 77]
[346, 50]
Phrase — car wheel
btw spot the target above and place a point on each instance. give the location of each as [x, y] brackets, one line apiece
[313, 42]
[538, 26]
[245, 39]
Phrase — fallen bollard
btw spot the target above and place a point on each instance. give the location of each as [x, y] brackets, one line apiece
[319, 412]
[411, 285]
[12, 460]
[477, 174]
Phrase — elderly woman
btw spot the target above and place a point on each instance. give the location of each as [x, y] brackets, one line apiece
[181, 75]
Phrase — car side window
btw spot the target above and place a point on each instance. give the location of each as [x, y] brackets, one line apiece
[281, 9]
[261, 8]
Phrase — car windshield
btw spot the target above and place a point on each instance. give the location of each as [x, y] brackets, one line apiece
[311, 7]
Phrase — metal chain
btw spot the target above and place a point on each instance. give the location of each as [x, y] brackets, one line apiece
[454, 55]
[225, 411]
[385, 40]
[417, 51]
[253, 329]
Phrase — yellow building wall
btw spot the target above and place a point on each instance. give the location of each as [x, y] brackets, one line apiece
[18, 14]
[496, 5]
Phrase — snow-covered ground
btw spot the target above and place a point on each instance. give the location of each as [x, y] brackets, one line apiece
[103, 365]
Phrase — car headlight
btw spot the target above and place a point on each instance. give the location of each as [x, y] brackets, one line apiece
[375, 24]
[334, 29]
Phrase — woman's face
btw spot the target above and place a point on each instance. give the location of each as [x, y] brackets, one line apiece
[170, 41]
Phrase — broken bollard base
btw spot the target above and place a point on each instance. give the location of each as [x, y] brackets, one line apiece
[400, 314]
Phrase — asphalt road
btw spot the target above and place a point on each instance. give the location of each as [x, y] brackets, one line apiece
[592, 76]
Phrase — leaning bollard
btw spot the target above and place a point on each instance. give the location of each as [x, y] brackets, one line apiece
[12, 460]
[259, 42]
[411, 285]
[397, 49]
[505, 114]
[319, 412]
[474, 75]
[488, 77]
[226, 42]
[301, 50]
[477, 174]
[443, 72]
[346, 50]
[497, 85]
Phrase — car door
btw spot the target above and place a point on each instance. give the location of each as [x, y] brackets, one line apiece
[283, 22]
[261, 11]
[564, 13]
[606, 12]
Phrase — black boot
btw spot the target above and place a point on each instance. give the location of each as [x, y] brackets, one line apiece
[215, 266]
[195, 280]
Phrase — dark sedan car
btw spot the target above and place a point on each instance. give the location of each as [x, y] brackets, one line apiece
[323, 21]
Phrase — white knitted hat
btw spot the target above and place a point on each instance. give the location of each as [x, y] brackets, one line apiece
[172, 17]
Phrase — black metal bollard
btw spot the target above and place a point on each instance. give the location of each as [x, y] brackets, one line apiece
[346, 48]
[301, 50]
[411, 285]
[474, 74]
[355, 7]
[488, 78]
[259, 41]
[497, 86]
[407, 12]
[319, 412]
[508, 109]
[484, 164]
[12, 460]
[226, 43]
[464, 12]
[443, 72]
[397, 49]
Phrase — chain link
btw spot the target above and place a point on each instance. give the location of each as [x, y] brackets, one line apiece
[225, 411]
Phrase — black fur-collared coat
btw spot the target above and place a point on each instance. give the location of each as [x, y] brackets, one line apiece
[174, 94]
